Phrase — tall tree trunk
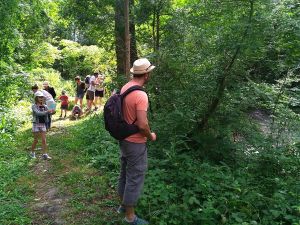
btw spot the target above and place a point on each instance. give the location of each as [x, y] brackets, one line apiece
[156, 25]
[120, 37]
[133, 48]
[157, 31]
[153, 28]
[127, 39]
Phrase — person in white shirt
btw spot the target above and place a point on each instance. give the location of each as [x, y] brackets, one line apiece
[99, 93]
[91, 91]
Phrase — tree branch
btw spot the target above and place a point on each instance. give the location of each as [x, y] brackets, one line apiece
[222, 83]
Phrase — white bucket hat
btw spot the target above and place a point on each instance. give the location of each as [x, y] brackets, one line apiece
[141, 66]
[38, 94]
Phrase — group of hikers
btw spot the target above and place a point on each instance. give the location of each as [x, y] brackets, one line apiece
[133, 149]
[45, 105]
[93, 86]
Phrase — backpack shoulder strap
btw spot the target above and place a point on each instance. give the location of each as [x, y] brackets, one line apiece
[131, 89]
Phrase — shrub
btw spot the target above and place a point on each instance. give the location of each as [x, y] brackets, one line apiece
[39, 75]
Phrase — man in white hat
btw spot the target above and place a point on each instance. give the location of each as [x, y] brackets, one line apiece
[133, 148]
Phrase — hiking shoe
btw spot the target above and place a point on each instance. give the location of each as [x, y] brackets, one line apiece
[137, 221]
[32, 155]
[46, 157]
[121, 209]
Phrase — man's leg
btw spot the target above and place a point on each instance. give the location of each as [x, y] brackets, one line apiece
[122, 178]
[100, 101]
[87, 99]
[94, 103]
[80, 102]
[76, 100]
[89, 104]
[96, 100]
[100, 98]
[129, 213]
[136, 159]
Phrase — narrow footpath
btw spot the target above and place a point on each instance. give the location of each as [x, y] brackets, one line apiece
[68, 189]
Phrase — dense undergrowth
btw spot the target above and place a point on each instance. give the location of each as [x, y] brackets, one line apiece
[234, 172]
[250, 184]
[16, 182]
[13, 192]
[183, 188]
[13, 162]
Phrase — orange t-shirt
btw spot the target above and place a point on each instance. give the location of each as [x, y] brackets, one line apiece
[134, 101]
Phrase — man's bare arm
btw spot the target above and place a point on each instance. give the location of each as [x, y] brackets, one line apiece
[142, 123]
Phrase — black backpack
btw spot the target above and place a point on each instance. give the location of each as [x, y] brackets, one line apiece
[87, 81]
[113, 116]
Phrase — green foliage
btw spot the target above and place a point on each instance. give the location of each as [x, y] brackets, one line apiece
[103, 149]
[39, 75]
[11, 190]
[91, 20]
[22, 29]
[45, 55]
[80, 60]
[201, 192]
[91, 159]
[241, 168]
[15, 187]
[13, 90]
[180, 188]
[9, 21]
[206, 39]
[13, 164]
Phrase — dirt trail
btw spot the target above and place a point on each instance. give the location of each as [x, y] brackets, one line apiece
[49, 203]
[68, 190]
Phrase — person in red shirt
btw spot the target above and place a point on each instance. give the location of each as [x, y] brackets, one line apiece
[133, 148]
[64, 103]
